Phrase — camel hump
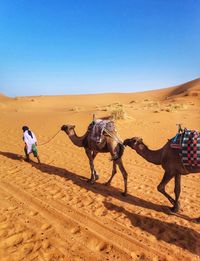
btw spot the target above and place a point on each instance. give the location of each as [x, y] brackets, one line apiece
[99, 127]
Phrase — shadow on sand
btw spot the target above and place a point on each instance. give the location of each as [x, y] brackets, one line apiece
[171, 233]
[188, 235]
[82, 182]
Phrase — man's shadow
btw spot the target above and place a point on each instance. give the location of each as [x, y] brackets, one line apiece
[97, 187]
[172, 233]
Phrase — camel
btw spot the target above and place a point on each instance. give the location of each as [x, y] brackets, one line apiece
[109, 143]
[171, 163]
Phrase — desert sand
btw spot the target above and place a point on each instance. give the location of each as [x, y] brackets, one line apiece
[48, 211]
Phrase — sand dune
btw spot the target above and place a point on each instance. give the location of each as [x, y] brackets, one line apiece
[50, 212]
[191, 88]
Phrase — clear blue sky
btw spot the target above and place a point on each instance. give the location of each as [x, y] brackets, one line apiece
[92, 46]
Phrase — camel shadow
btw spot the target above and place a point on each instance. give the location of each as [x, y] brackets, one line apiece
[97, 187]
[171, 233]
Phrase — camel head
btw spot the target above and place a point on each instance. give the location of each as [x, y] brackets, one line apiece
[67, 128]
[133, 142]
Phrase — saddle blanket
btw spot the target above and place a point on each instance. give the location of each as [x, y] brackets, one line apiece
[98, 128]
[190, 148]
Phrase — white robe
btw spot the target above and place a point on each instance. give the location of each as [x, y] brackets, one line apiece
[29, 141]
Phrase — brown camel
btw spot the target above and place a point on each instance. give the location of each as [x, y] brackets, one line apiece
[108, 143]
[171, 162]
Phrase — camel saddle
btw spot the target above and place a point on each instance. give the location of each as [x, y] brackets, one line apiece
[99, 127]
[188, 144]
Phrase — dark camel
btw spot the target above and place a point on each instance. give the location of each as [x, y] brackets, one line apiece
[171, 162]
[108, 144]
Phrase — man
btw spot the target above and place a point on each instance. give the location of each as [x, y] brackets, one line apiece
[30, 143]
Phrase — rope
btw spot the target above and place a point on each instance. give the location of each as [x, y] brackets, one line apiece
[114, 137]
[49, 139]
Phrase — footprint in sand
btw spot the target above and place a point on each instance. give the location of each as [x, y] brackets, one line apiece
[138, 256]
[79, 205]
[37, 245]
[26, 249]
[27, 235]
[32, 213]
[4, 226]
[97, 245]
[54, 191]
[12, 208]
[45, 244]
[3, 233]
[75, 230]
[13, 240]
[8, 198]
[88, 202]
[155, 258]
[58, 195]
[45, 226]
[2, 218]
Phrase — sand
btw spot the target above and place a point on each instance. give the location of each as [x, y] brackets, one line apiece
[48, 211]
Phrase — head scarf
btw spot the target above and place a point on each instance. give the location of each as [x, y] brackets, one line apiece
[26, 128]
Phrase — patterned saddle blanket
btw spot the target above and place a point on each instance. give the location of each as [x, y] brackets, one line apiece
[98, 127]
[188, 144]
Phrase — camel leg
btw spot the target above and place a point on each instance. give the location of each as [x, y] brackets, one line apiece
[91, 155]
[114, 171]
[124, 173]
[177, 191]
[114, 150]
[96, 175]
[161, 187]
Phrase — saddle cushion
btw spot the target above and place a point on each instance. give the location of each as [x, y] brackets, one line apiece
[99, 127]
[190, 148]
[176, 141]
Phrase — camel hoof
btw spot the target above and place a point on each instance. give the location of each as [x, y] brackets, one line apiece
[123, 194]
[197, 220]
[91, 181]
[96, 177]
[174, 209]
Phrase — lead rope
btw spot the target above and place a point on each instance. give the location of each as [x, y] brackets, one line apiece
[114, 137]
[49, 139]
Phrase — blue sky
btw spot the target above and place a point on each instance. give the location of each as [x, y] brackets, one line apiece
[52, 47]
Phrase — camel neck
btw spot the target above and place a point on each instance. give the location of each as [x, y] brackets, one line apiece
[76, 140]
[153, 156]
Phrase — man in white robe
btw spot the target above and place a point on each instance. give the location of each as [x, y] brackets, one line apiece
[30, 143]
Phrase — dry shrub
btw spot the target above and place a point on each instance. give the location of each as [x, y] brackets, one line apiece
[175, 107]
[152, 105]
[195, 93]
[117, 111]
[133, 101]
[75, 109]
